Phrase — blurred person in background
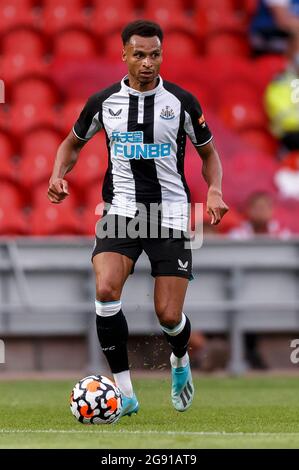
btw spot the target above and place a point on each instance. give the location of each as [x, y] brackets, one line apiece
[282, 101]
[259, 220]
[272, 24]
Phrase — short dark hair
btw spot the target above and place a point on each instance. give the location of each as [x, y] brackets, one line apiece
[144, 28]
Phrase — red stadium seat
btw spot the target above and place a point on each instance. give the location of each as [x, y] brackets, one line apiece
[12, 221]
[179, 46]
[227, 44]
[74, 44]
[170, 18]
[7, 168]
[26, 117]
[11, 197]
[261, 140]
[154, 4]
[235, 90]
[246, 172]
[94, 199]
[6, 147]
[38, 153]
[14, 13]
[266, 67]
[114, 46]
[70, 114]
[119, 4]
[17, 66]
[218, 16]
[53, 219]
[23, 41]
[110, 18]
[60, 15]
[68, 3]
[35, 90]
[89, 220]
[242, 115]
[94, 208]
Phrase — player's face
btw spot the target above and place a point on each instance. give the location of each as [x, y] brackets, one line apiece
[143, 57]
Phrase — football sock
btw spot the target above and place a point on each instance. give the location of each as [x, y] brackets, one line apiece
[112, 329]
[179, 361]
[123, 382]
[178, 337]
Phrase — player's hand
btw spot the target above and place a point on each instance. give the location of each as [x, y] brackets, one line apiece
[216, 207]
[58, 190]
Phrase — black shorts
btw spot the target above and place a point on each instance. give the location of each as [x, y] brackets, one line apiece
[168, 256]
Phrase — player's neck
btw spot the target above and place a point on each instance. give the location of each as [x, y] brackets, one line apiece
[136, 85]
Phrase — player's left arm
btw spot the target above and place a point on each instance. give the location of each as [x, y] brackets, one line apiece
[212, 173]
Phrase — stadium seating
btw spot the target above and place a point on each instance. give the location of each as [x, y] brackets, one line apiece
[7, 168]
[18, 66]
[69, 114]
[260, 139]
[60, 15]
[170, 16]
[12, 221]
[227, 44]
[55, 53]
[36, 90]
[241, 116]
[25, 117]
[37, 156]
[14, 13]
[106, 19]
[53, 219]
[179, 47]
[74, 44]
[13, 197]
[23, 41]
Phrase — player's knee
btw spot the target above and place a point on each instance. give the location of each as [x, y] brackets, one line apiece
[106, 292]
[169, 318]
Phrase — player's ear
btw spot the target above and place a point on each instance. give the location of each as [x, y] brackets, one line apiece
[124, 55]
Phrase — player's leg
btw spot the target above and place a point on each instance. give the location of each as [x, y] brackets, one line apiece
[169, 299]
[111, 271]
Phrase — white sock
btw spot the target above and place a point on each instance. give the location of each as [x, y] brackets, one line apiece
[123, 382]
[179, 361]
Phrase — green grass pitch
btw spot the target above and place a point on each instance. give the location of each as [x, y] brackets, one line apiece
[226, 413]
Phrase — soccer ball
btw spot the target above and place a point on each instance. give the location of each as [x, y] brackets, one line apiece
[96, 400]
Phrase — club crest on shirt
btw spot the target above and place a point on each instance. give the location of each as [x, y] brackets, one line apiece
[167, 113]
[115, 114]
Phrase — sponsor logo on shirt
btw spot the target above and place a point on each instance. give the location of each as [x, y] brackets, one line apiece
[114, 114]
[135, 148]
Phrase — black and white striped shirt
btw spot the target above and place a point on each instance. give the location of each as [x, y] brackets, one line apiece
[146, 138]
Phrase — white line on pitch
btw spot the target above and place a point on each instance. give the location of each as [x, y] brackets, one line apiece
[123, 431]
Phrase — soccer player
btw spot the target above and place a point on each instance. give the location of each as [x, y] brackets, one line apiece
[146, 121]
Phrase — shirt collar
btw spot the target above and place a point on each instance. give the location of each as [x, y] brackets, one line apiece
[132, 91]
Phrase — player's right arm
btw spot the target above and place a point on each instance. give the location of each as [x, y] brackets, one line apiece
[66, 158]
[86, 126]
